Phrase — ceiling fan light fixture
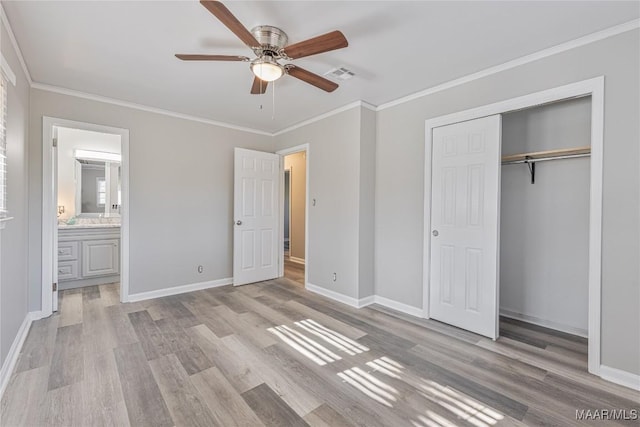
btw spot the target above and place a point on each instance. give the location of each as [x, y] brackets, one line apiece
[267, 69]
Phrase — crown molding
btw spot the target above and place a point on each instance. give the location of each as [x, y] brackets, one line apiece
[127, 104]
[6, 70]
[563, 47]
[322, 116]
[14, 43]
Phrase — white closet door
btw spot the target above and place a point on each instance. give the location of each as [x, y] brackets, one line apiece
[465, 225]
[255, 234]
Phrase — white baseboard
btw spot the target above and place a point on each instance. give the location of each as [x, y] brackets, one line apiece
[398, 306]
[618, 376]
[12, 357]
[353, 302]
[296, 260]
[544, 323]
[179, 289]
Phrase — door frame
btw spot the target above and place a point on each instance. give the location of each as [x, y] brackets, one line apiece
[283, 153]
[49, 208]
[595, 89]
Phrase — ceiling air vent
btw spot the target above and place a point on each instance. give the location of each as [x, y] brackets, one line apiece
[340, 73]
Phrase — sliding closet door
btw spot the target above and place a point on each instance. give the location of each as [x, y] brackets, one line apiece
[465, 225]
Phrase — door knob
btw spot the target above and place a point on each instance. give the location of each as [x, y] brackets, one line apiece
[435, 233]
[238, 222]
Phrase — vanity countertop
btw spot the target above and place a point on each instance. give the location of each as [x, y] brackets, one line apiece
[74, 226]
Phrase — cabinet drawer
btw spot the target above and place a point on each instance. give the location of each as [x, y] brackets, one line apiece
[67, 270]
[67, 251]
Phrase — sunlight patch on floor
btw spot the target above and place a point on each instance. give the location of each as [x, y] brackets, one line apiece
[332, 337]
[369, 385]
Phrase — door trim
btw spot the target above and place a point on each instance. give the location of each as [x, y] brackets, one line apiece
[282, 153]
[592, 87]
[49, 210]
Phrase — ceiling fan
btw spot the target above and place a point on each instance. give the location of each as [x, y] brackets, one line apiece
[270, 45]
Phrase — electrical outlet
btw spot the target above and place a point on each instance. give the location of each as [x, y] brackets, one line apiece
[200, 269]
[335, 277]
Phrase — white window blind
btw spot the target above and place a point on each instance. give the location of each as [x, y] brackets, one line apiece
[3, 147]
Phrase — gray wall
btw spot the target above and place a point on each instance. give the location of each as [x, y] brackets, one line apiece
[181, 191]
[297, 164]
[367, 202]
[341, 179]
[400, 174]
[13, 239]
[544, 227]
[334, 179]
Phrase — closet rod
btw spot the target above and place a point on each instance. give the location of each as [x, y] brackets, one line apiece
[544, 159]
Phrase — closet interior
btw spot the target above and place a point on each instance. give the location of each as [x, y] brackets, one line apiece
[544, 217]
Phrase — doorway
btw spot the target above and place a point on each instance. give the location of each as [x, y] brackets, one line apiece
[593, 88]
[85, 211]
[294, 217]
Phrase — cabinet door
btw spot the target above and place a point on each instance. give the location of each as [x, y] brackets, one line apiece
[100, 257]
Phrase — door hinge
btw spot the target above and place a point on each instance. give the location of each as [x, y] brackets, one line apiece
[55, 142]
[55, 287]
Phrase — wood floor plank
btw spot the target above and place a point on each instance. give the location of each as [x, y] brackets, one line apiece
[145, 404]
[249, 327]
[90, 293]
[38, 347]
[110, 294]
[101, 388]
[294, 393]
[120, 326]
[70, 307]
[180, 343]
[326, 416]
[67, 366]
[271, 409]
[149, 335]
[224, 402]
[210, 317]
[25, 386]
[328, 321]
[185, 403]
[62, 407]
[237, 370]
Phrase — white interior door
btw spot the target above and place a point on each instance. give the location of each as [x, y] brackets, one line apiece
[256, 198]
[54, 253]
[465, 219]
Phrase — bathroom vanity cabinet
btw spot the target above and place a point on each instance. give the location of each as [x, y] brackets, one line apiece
[88, 256]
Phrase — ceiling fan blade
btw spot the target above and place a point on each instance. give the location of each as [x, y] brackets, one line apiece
[324, 43]
[231, 22]
[259, 86]
[185, 57]
[311, 78]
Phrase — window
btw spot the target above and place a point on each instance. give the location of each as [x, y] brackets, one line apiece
[3, 147]
[101, 190]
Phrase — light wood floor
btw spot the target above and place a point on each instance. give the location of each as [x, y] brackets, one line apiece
[293, 271]
[274, 354]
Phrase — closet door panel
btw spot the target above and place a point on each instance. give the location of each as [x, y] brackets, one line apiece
[464, 220]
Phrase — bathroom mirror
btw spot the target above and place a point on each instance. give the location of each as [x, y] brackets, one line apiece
[97, 187]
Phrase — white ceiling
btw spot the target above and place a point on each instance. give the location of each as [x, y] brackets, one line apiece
[125, 50]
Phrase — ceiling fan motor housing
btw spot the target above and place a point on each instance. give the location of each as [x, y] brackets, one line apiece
[272, 40]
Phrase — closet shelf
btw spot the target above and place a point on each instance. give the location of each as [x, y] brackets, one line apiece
[542, 156]
[547, 155]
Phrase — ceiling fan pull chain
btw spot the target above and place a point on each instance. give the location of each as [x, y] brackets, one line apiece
[273, 106]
